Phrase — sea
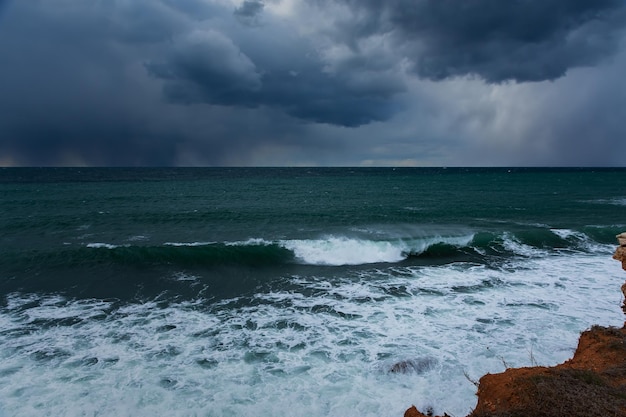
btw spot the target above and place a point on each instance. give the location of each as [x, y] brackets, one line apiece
[286, 292]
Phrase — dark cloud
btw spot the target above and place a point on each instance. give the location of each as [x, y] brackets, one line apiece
[207, 64]
[184, 82]
[76, 88]
[196, 9]
[580, 121]
[249, 11]
[91, 142]
[521, 40]
[208, 67]
[310, 96]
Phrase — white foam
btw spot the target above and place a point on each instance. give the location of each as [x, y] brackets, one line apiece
[181, 276]
[618, 201]
[582, 241]
[250, 242]
[512, 244]
[137, 238]
[340, 250]
[190, 244]
[320, 348]
[567, 234]
[345, 251]
[98, 245]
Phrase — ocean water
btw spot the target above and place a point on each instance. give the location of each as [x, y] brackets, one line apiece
[294, 291]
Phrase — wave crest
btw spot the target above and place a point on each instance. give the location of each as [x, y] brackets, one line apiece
[339, 250]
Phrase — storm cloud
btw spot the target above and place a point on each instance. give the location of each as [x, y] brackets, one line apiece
[521, 40]
[249, 11]
[206, 66]
[313, 82]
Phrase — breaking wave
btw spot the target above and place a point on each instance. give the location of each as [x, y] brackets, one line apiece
[331, 250]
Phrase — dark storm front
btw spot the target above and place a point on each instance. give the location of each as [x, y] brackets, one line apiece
[126, 232]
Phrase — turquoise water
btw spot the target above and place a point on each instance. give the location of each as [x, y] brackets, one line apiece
[215, 292]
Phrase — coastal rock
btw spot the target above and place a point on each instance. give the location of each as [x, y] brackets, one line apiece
[620, 255]
[592, 383]
[414, 412]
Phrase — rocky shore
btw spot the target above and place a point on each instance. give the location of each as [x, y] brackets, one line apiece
[592, 383]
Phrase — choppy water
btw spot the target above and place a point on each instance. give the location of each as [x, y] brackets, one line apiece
[292, 292]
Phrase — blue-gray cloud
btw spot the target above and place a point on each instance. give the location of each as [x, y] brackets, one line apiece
[249, 11]
[522, 40]
[208, 67]
[165, 82]
[207, 64]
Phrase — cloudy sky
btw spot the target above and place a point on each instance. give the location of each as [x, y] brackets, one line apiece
[313, 82]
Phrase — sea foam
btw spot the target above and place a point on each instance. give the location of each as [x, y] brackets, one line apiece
[317, 347]
[339, 250]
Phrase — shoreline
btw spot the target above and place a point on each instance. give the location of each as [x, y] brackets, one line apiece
[592, 383]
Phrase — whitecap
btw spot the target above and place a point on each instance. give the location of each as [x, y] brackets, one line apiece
[250, 242]
[338, 251]
[582, 241]
[181, 276]
[511, 243]
[568, 233]
[618, 201]
[190, 244]
[99, 245]
[341, 250]
[137, 238]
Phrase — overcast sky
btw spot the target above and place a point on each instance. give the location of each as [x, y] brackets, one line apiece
[313, 82]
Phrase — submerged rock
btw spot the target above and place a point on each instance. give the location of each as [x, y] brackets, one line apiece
[417, 366]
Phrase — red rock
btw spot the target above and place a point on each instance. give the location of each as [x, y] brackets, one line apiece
[592, 383]
[620, 255]
[412, 412]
